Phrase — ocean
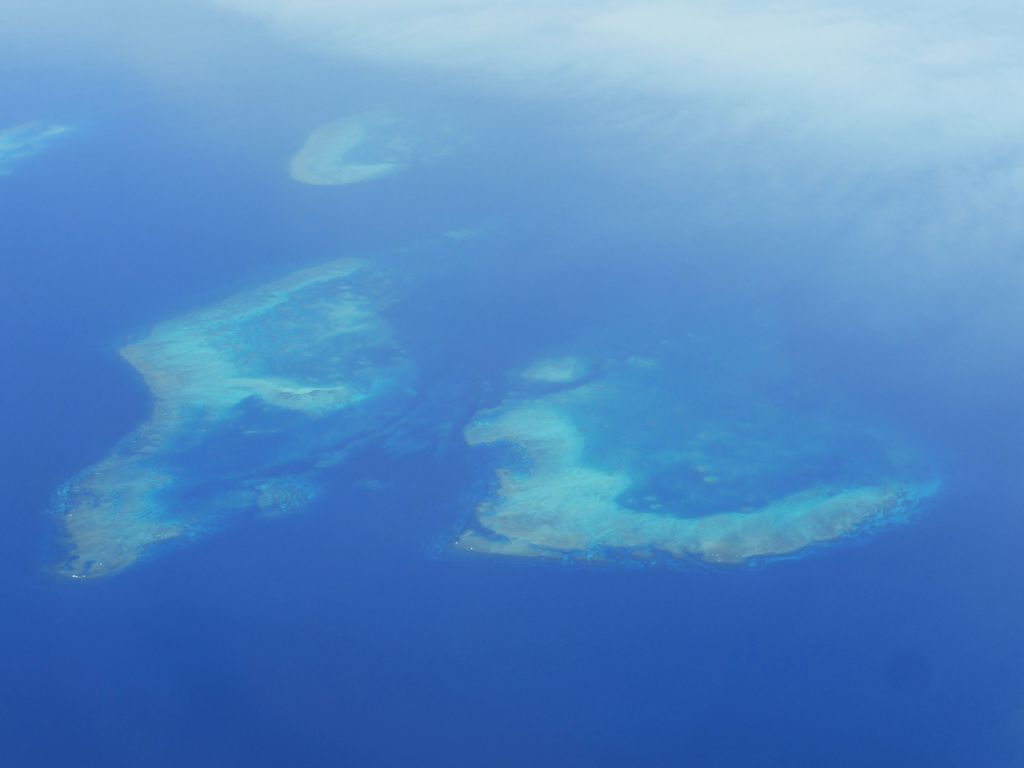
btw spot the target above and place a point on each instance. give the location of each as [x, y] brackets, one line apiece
[823, 326]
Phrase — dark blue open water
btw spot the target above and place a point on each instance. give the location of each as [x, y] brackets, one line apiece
[349, 635]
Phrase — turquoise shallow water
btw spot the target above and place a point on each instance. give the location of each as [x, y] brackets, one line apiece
[257, 397]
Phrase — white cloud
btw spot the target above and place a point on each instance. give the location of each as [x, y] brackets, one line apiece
[902, 76]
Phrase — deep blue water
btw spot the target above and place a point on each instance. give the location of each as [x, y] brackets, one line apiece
[349, 634]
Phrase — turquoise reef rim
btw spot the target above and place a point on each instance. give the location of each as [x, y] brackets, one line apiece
[561, 494]
[295, 364]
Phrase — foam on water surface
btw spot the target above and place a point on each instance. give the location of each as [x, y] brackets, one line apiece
[21, 142]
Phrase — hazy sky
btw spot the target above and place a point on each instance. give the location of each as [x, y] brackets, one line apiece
[903, 81]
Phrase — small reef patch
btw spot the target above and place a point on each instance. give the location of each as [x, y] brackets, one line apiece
[555, 370]
[356, 149]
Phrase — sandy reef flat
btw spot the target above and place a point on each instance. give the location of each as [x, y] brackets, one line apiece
[353, 150]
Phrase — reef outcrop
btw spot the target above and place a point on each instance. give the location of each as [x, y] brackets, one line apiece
[248, 397]
[588, 473]
[355, 149]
